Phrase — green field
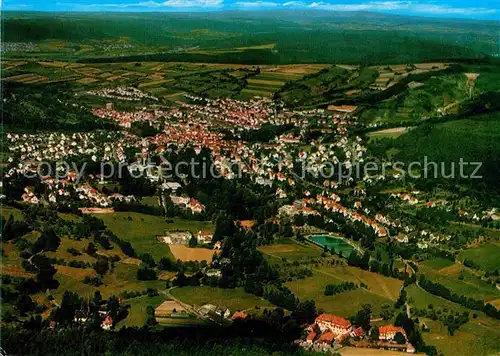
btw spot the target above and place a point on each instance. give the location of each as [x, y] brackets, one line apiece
[477, 337]
[290, 250]
[137, 312]
[380, 290]
[438, 263]
[486, 256]
[235, 299]
[471, 285]
[6, 211]
[141, 230]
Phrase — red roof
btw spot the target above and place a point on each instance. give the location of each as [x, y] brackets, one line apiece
[333, 319]
[328, 337]
[391, 329]
[311, 336]
[239, 315]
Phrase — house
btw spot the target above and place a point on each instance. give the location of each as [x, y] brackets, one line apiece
[247, 224]
[170, 186]
[310, 337]
[80, 316]
[238, 315]
[107, 323]
[326, 338]
[388, 332]
[204, 237]
[333, 323]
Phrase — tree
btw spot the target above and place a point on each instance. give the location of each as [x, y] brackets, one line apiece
[305, 312]
[66, 312]
[24, 304]
[102, 265]
[48, 241]
[362, 317]
[144, 273]
[150, 316]
[148, 260]
[166, 264]
[193, 241]
[400, 338]
[375, 334]
[46, 272]
[401, 300]
[365, 261]
[353, 259]
[91, 249]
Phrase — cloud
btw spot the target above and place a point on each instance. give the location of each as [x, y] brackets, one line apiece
[441, 9]
[156, 4]
[369, 6]
[295, 4]
[256, 4]
[6, 4]
[410, 6]
[183, 3]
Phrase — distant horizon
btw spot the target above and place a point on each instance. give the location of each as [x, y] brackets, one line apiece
[448, 9]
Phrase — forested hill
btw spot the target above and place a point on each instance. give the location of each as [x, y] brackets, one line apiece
[247, 37]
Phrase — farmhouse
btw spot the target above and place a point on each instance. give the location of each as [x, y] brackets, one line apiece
[388, 332]
[107, 323]
[333, 323]
[204, 237]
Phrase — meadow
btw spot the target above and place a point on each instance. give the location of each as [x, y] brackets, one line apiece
[141, 230]
[137, 312]
[462, 281]
[477, 337]
[235, 299]
[380, 291]
[486, 256]
[291, 250]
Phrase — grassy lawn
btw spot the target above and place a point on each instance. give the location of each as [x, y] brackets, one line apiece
[421, 299]
[79, 245]
[477, 337]
[291, 250]
[6, 211]
[384, 286]
[471, 339]
[438, 263]
[123, 278]
[141, 230]
[487, 256]
[346, 303]
[471, 285]
[234, 299]
[137, 312]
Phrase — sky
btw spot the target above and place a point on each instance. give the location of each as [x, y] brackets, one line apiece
[474, 9]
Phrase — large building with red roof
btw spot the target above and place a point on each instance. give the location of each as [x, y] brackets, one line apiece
[333, 323]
